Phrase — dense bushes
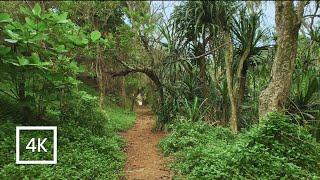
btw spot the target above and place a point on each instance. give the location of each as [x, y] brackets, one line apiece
[39, 86]
[188, 135]
[275, 148]
[88, 146]
[82, 109]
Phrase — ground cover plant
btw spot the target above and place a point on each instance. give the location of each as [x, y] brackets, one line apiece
[234, 84]
[83, 150]
[275, 148]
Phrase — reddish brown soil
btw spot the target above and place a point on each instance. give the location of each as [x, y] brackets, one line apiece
[144, 161]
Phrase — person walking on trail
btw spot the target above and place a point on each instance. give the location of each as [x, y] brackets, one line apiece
[139, 99]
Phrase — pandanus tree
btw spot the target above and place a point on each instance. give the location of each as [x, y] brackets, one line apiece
[247, 32]
[205, 26]
[192, 24]
[247, 39]
[183, 36]
[215, 19]
[197, 25]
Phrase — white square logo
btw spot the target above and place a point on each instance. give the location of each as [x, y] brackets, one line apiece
[39, 146]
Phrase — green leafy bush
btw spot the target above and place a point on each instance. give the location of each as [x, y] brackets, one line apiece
[275, 148]
[82, 108]
[80, 156]
[119, 119]
[39, 86]
[186, 134]
[88, 143]
[81, 153]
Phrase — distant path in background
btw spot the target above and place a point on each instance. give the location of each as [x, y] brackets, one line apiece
[144, 161]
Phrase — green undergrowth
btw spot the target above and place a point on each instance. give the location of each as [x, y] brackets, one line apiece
[276, 148]
[120, 119]
[89, 146]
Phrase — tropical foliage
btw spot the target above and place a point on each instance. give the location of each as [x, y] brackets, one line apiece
[240, 98]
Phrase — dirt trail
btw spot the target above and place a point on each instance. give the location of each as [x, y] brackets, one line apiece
[144, 160]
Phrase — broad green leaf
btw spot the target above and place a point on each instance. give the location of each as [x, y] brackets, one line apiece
[78, 40]
[46, 64]
[36, 10]
[42, 26]
[38, 37]
[13, 63]
[25, 10]
[95, 35]
[62, 18]
[46, 16]
[30, 22]
[15, 25]
[60, 49]
[4, 17]
[11, 40]
[13, 35]
[35, 58]
[23, 61]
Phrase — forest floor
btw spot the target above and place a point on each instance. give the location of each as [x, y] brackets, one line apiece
[144, 161]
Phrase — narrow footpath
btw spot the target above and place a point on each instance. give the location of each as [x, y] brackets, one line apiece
[144, 161]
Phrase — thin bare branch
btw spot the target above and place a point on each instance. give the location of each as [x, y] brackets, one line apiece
[197, 57]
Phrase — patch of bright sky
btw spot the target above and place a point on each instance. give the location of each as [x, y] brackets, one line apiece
[268, 11]
[267, 8]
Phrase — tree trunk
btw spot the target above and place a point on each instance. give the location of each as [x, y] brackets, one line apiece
[287, 27]
[133, 101]
[203, 79]
[242, 83]
[25, 110]
[233, 100]
[123, 92]
[102, 89]
[123, 88]
[101, 77]
[200, 50]
[155, 79]
[242, 77]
